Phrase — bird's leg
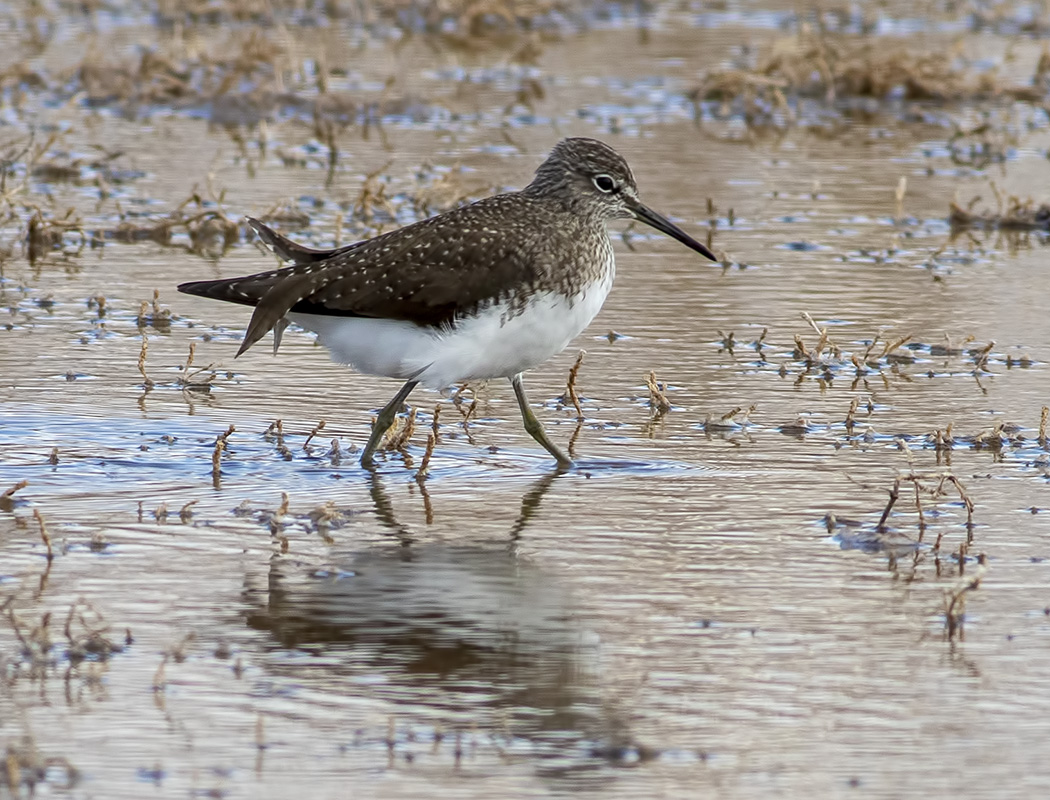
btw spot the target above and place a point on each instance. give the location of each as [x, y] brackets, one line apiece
[384, 420]
[533, 425]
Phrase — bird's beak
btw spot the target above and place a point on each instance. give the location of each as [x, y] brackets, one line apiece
[645, 214]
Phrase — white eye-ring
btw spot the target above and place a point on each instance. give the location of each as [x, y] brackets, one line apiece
[604, 183]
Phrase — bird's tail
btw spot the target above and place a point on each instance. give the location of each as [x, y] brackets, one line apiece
[285, 248]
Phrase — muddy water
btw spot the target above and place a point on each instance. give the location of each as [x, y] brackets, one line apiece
[678, 616]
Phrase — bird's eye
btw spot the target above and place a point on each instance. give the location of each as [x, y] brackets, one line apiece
[604, 183]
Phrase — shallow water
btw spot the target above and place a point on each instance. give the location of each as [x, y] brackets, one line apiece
[695, 609]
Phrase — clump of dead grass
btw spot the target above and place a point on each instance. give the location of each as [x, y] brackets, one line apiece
[830, 68]
[49, 226]
[209, 231]
[1012, 213]
[85, 631]
[250, 77]
[825, 359]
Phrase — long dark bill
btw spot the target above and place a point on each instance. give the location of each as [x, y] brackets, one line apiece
[664, 225]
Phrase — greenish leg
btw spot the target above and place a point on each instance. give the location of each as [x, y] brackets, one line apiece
[384, 420]
[533, 425]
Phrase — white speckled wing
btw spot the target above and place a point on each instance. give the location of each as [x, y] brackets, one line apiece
[497, 342]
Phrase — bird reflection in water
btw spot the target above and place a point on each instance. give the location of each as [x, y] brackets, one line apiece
[460, 636]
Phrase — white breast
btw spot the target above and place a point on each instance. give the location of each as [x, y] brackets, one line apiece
[496, 343]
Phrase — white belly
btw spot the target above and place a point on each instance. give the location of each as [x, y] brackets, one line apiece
[493, 344]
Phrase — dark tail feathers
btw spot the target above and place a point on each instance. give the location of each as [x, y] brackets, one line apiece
[286, 249]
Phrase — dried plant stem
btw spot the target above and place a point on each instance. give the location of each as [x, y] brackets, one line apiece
[186, 512]
[851, 414]
[20, 485]
[44, 534]
[434, 422]
[980, 359]
[570, 387]
[894, 494]
[891, 346]
[146, 382]
[901, 190]
[424, 466]
[657, 399]
[216, 456]
[317, 429]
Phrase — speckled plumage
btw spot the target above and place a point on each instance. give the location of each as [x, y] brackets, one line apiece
[487, 290]
[505, 247]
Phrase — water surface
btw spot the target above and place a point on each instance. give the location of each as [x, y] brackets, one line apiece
[697, 608]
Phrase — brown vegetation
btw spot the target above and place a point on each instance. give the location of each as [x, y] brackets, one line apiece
[836, 68]
[1012, 214]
